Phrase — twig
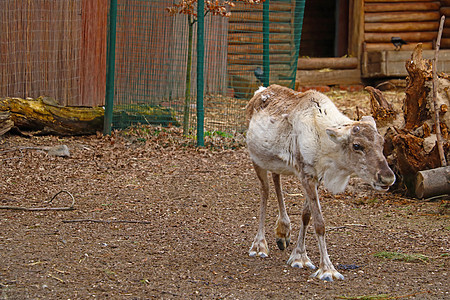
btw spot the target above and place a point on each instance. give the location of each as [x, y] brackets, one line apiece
[57, 278]
[106, 221]
[71, 207]
[346, 226]
[436, 109]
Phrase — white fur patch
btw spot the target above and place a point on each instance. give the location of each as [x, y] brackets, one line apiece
[260, 89]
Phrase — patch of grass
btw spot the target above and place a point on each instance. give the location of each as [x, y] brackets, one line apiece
[447, 228]
[402, 256]
[218, 133]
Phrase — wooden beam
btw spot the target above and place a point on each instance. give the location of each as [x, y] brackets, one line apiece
[327, 62]
[356, 25]
[240, 38]
[397, 1]
[373, 37]
[389, 46]
[257, 27]
[401, 17]
[332, 77]
[252, 16]
[274, 6]
[402, 6]
[401, 27]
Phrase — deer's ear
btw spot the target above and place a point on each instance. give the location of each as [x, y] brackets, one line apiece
[338, 134]
[370, 120]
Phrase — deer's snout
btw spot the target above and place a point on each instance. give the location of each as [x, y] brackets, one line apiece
[385, 178]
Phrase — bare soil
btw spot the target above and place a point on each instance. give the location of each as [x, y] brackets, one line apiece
[157, 218]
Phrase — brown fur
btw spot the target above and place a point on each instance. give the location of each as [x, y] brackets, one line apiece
[280, 100]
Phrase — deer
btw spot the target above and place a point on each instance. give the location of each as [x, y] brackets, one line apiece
[305, 135]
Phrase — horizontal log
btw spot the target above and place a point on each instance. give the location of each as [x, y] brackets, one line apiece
[240, 69]
[258, 60]
[433, 182]
[252, 16]
[327, 62]
[389, 46]
[273, 6]
[446, 32]
[331, 77]
[258, 48]
[445, 3]
[445, 11]
[240, 38]
[401, 27]
[445, 43]
[402, 6]
[397, 1]
[401, 17]
[258, 27]
[409, 37]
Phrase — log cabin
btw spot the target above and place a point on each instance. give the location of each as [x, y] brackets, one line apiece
[345, 42]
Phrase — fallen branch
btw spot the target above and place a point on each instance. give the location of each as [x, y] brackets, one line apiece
[436, 109]
[106, 221]
[346, 226]
[71, 207]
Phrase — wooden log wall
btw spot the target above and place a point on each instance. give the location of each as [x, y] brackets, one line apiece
[245, 41]
[412, 20]
[445, 10]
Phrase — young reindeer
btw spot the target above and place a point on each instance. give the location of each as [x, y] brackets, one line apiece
[305, 135]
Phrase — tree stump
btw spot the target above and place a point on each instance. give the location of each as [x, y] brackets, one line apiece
[410, 143]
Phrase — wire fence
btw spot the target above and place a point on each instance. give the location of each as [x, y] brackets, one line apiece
[40, 49]
[256, 45]
[58, 49]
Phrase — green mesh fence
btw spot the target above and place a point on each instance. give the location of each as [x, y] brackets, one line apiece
[257, 45]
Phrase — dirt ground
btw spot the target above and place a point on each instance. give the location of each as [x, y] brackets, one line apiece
[155, 218]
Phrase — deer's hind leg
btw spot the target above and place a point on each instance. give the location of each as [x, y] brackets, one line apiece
[283, 225]
[259, 245]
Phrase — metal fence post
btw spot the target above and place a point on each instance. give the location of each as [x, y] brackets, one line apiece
[110, 68]
[200, 68]
[266, 44]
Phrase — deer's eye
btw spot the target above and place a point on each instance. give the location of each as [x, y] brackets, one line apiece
[358, 147]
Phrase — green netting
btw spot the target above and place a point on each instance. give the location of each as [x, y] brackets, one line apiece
[256, 45]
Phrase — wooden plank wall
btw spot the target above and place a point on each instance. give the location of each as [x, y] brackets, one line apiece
[413, 20]
[93, 52]
[54, 48]
[445, 10]
[40, 49]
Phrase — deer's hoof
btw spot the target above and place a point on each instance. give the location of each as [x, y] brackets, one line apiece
[283, 243]
[300, 261]
[327, 275]
[259, 248]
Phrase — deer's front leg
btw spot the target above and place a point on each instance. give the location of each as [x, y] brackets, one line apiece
[299, 258]
[259, 246]
[326, 269]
